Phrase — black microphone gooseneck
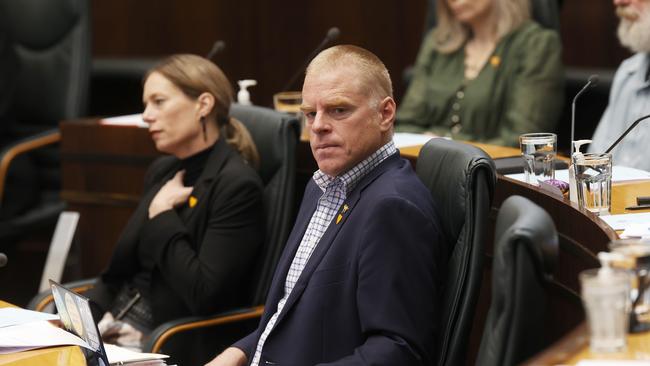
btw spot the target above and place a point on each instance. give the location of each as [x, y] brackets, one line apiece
[591, 82]
[332, 34]
[626, 132]
[217, 47]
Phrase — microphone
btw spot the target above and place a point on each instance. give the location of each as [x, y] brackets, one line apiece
[591, 82]
[626, 132]
[3, 260]
[217, 47]
[332, 34]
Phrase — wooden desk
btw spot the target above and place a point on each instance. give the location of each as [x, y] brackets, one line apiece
[53, 356]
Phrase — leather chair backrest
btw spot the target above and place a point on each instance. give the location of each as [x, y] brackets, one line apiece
[276, 136]
[461, 179]
[51, 39]
[525, 253]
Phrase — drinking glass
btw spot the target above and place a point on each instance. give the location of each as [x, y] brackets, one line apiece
[636, 254]
[538, 151]
[593, 172]
[606, 299]
[289, 102]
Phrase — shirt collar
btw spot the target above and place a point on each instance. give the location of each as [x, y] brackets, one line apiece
[350, 178]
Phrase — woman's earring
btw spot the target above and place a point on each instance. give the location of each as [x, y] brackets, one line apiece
[205, 134]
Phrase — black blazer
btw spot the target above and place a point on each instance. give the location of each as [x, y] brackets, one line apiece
[202, 250]
[369, 293]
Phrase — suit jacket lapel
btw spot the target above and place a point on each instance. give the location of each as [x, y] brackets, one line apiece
[330, 234]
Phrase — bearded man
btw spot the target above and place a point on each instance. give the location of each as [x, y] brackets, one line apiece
[629, 97]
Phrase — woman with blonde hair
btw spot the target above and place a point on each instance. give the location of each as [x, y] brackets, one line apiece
[485, 73]
[193, 237]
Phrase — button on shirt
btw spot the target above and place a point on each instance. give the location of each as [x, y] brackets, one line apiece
[629, 99]
[335, 190]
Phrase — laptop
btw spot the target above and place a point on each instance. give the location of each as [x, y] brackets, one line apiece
[75, 314]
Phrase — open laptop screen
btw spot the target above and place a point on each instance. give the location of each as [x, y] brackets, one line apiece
[76, 317]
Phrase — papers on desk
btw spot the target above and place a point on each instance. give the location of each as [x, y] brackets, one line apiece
[404, 139]
[636, 225]
[612, 363]
[128, 120]
[17, 316]
[122, 356]
[18, 338]
[619, 174]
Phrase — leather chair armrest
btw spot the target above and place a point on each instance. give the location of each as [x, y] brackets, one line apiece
[43, 299]
[10, 152]
[165, 331]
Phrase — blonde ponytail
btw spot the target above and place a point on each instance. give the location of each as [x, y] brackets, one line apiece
[240, 139]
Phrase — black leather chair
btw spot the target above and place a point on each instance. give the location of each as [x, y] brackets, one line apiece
[194, 340]
[525, 253]
[50, 43]
[461, 179]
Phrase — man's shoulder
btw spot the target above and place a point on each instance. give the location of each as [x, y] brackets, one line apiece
[633, 63]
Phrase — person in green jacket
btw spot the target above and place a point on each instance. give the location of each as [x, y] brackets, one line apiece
[485, 73]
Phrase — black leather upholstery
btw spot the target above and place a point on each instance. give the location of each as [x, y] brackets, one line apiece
[525, 253]
[276, 137]
[51, 43]
[461, 179]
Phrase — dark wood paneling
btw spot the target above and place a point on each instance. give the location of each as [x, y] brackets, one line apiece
[268, 40]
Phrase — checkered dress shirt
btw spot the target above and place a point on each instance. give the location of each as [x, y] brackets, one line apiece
[335, 190]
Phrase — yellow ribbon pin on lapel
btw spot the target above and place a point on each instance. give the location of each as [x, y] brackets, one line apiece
[193, 201]
[340, 216]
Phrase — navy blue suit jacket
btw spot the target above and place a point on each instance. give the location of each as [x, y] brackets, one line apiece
[369, 293]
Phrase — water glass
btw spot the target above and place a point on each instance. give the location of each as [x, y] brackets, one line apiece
[636, 254]
[606, 299]
[289, 102]
[593, 172]
[538, 151]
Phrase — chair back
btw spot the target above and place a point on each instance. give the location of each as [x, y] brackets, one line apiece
[525, 253]
[461, 179]
[51, 40]
[276, 136]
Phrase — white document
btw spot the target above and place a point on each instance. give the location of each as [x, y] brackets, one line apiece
[404, 139]
[17, 316]
[128, 120]
[619, 174]
[612, 363]
[635, 221]
[41, 334]
[119, 355]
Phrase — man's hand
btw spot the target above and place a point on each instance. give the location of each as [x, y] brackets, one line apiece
[172, 194]
[231, 356]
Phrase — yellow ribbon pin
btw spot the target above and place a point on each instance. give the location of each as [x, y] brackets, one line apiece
[340, 216]
[193, 201]
[495, 61]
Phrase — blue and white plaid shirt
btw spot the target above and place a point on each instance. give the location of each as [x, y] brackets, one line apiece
[335, 190]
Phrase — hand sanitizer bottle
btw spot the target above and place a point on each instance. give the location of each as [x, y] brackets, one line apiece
[577, 154]
[243, 96]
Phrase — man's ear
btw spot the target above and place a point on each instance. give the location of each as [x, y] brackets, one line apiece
[387, 110]
[206, 103]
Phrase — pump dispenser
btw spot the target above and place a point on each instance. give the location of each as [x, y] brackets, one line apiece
[577, 154]
[243, 96]
[606, 259]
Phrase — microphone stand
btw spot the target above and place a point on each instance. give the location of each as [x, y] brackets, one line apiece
[626, 132]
